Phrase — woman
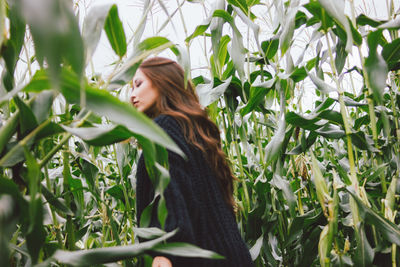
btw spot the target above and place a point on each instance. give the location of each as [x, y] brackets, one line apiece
[199, 197]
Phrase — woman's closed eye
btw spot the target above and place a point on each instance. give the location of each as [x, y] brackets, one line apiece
[138, 83]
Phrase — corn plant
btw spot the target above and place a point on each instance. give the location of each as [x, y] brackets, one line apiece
[306, 96]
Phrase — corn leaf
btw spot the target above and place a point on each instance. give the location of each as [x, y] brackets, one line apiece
[115, 32]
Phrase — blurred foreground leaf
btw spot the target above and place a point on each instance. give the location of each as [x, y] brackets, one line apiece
[104, 104]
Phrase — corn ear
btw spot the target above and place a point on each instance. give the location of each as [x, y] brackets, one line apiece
[320, 184]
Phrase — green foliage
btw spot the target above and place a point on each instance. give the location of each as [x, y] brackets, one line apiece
[312, 135]
[115, 31]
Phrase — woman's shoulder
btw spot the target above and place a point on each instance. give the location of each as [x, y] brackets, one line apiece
[170, 125]
[165, 119]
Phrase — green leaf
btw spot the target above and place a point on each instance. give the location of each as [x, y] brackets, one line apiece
[11, 48]
[336, 10]
[301, 148]
[391, 54]
[39, 82]
[36, 234]
[150, 158]
[298, 74]
[218, 43]
[270, 47]
[254, 27]
[186, 250]
[375, 172]
[363, 20]
[183, 58]
[363, 141]
[117, 192]
[255, 250]
[392, 24]
[8, 187]
[146, 215]
[200, 29]
[207, 94]
[332, 116]
[331, 131]
[49, 129]
[7, 97]
[56, 35]
[107, 254]
[320, 184]
[92, 28]
[323, 247]
[391, 194]
[101, 135]
[76, 187]
[2, 19]
[55, 202]
[316, 10]
[376, 67]
[389, 230]
[115, 32]
[144, 49]
[148, 233]
[341, 56]
[27, 120]
[42, 104]
[240, 4]
[286, 36]
[16, 153]
[259, 74]
[350, 102]
[257, 95]
[251, 3]
[104, 104]
[364, 254]
[7, 130]
[301, 19]
[162, 212]
[309, 123]
[114, 226]
[357, 38]
[221, 53]
[89, 171]
[284, 185]
[321, 85]
[325, 105]
[237, 51]
[273, 149]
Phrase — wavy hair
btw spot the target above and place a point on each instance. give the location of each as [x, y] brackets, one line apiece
[182, 103]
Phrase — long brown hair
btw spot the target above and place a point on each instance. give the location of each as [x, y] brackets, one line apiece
[182, 103]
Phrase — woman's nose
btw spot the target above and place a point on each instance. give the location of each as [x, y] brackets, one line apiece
[133, 96]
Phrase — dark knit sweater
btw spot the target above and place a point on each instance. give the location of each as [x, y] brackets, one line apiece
[195, 205]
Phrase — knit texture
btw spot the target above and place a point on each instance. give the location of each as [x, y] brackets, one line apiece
[195, 205]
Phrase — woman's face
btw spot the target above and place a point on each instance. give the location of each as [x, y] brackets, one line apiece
[144, 94]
